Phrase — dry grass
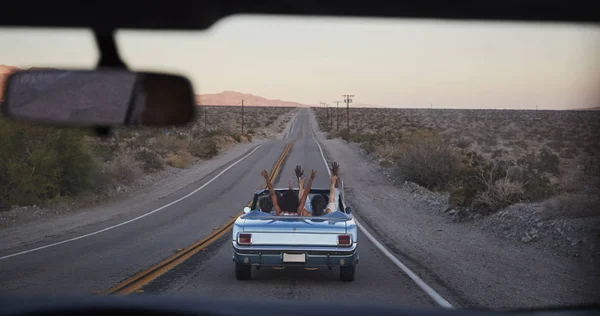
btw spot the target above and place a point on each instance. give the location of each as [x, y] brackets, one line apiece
[124, 168]
[180, 160]
[131, 152]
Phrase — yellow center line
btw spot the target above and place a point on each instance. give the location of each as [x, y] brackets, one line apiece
[146, 276]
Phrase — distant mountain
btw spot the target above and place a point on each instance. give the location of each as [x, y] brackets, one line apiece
[235, 98]
[596, 108]
[358, 105]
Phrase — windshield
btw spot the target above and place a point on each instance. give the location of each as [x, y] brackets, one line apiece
[467, 151]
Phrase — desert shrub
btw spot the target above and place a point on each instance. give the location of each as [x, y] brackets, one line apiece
[150, 160]
[168, 144]
[204, 147]
[105, 151]
[424, 158]
[463, 143]
[572, 180]
[497, 195]
[569, 152]
[534, 174]
[548, 161]
[124, 168]
[344, 134]
[41, 163]
[180, 160]
[555, 145]
[522, 144]
[472, 175]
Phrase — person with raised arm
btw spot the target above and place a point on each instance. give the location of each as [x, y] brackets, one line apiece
[288, 204]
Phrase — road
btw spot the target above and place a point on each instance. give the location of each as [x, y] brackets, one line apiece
[101, 260]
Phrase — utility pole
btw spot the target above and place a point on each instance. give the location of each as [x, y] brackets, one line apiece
[337, 114]
[326, 110]
[331, 119]
[348, 100]
[205, 118]
[242, 116]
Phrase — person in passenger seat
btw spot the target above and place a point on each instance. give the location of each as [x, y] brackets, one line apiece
[307, 210]
[265, 205]
[319, 203]
[290, 205]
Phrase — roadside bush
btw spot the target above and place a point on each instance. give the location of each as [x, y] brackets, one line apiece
[204, 147]
[499, 194]
[168, 144]
[424, 158]
[471, 177]
[534, 174]
[180, 160]
[41, 163]
[463, 143]
[150, 160]
[124, 168]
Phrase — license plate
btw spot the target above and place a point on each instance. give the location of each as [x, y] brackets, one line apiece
[294, 257]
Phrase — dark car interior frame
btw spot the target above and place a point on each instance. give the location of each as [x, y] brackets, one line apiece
[105, 17]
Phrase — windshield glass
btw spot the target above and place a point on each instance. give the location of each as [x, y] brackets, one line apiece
[467, 151]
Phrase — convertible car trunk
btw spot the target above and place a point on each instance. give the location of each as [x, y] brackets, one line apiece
[294, 231]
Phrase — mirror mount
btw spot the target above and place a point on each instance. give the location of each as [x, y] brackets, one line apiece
[103, 131]
[109, 57]
[109, 54]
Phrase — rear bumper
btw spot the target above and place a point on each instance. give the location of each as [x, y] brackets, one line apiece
[315, 256]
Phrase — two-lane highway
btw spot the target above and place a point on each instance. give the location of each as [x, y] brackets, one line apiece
[103, 260]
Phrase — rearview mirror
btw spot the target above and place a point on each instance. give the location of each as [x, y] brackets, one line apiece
[98, 98]
[246, 210]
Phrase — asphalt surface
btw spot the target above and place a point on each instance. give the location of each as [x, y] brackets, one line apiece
[103, 260]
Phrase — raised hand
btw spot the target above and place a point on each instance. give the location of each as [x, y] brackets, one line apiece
[334, 179]
[301, 182]
[264, 174]
[335, 168]
[299, 171]
[313, 174]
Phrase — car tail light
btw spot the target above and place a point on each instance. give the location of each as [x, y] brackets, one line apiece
[344, 240]
[244, 239]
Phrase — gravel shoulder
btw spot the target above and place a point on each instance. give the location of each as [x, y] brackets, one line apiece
[467, 264]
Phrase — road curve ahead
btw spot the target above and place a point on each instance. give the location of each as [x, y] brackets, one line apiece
[103, 260]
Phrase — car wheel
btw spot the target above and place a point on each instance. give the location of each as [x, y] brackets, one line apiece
[347, 273]
[243, 271]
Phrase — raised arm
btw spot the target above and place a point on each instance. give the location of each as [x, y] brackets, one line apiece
[332, 189]
[306, 191]
[335, 171]
[272, 192]
[299, 174]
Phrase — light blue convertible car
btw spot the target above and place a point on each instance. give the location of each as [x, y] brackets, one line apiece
[262, 239]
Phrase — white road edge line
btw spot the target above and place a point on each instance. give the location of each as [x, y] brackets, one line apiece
[133, 219]
[413, 276]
